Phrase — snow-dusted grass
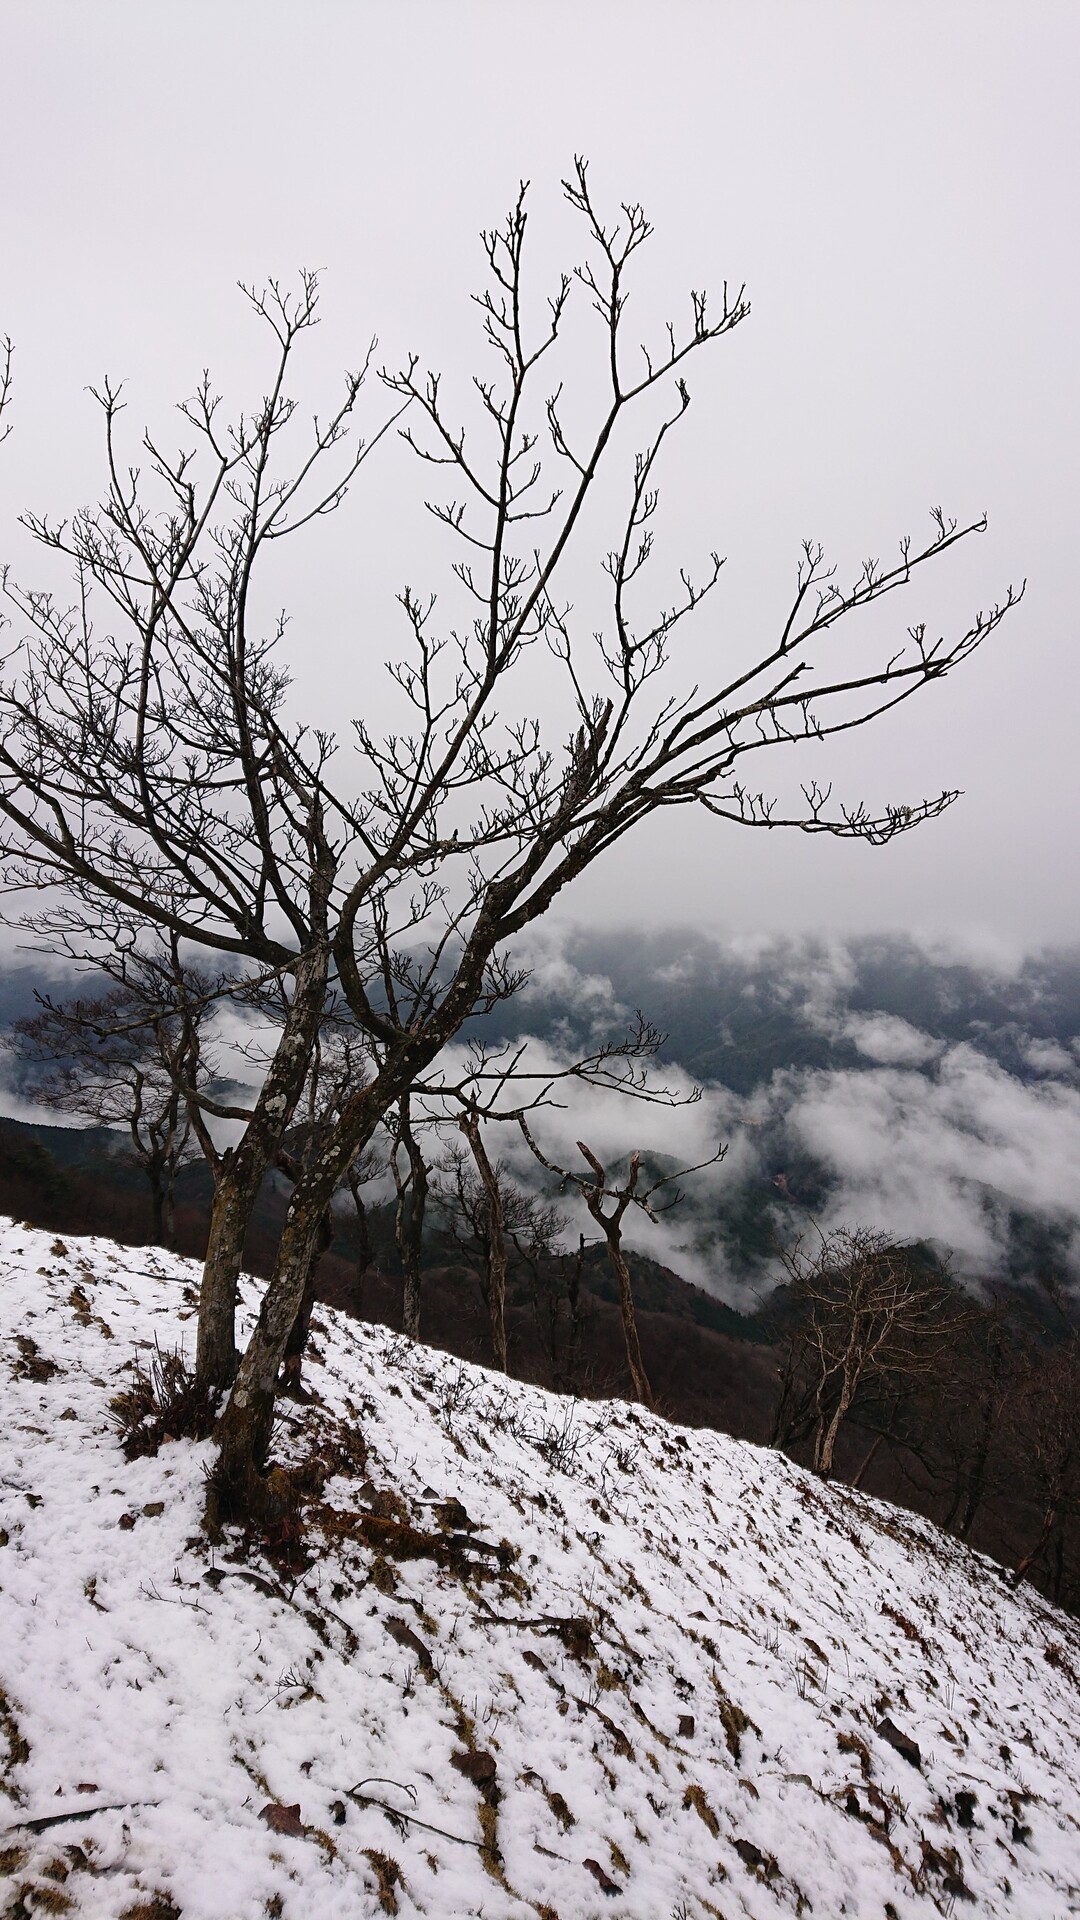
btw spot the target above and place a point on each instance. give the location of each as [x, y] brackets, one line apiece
[588, 1663]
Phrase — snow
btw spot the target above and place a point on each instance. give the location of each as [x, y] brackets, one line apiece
[668, 1664]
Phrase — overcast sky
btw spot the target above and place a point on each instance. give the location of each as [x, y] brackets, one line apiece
[895, 182]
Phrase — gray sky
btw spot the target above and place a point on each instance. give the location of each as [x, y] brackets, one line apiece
[897, 185]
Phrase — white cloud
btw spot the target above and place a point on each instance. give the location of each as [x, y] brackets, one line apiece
[940, 1156]
[885, 1038]
[1046, 1056]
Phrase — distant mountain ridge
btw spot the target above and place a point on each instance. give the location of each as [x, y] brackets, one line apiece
[737, 1015]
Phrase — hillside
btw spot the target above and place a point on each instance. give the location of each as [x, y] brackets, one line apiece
[529, 1657]
[709, 1364]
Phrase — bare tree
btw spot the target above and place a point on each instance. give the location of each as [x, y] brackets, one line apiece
[132, 1057]
[491, 1217]
[865, 1311]
[565, 1360]
[147, 774]
[492, 1233]
[964, 1409]
[369, 1166]
[1047, 1428]
[411, 1184]
[596, 1187]
[161, 771]
[497, 1082]
[611, 1225]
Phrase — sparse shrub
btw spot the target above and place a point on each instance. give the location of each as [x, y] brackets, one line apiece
[389, 1876]
[696, 1798]
[163, 1402]
[32, 1364]
[157, 1906]
[18, 1747]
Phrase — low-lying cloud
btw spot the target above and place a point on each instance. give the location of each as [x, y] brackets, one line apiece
[950, 1155]
[873, 1083]
[950, 1114]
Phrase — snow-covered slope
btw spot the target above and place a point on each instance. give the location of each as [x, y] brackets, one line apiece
[534, 1658]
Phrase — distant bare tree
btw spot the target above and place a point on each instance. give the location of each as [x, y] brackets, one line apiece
[492, 1215]
[132, 1058]
[369, 1166]
[863, 1311]
[409, 1171]
[565, 1355]
[595, 1187]
[971, 1394]
[489, 1225]
[1047, 1429]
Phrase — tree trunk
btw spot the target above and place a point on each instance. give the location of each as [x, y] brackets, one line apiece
[575, 1313]
[243, 1431]
[954, 1506]
[865, 1468]
[825, 1443]
[238, 1183]
[363, 1245]
[238, 1487]
[496, 1255]
[642, 1389]
[790, 1419]
[1050, 1520]
[411, 1279]
[157, 1210]
[1059, 1569]
[292, 1368]
[993, 1402]
[241, 1173]
[409, 1222]
[976, 1487]
[168, 1214]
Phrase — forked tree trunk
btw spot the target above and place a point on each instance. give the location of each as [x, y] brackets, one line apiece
[243, 1431]
[242, 1169]
[239, 1485]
